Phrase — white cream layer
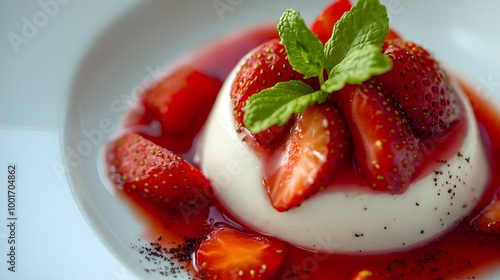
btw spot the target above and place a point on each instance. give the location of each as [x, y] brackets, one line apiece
[341, 221]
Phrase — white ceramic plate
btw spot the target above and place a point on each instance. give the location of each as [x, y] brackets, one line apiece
[132, 50]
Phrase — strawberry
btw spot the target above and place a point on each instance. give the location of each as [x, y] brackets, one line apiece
[323, 24]
[421, 89]
[318, 142]
[489, 219]
[144, 169]
[267, 66]
[385, 148]
[181, 102]
[228, 253]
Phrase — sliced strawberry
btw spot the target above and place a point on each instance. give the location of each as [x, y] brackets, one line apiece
[489, 219]
[323, 24]
[181, 102]
[228, 253]
[318, 142]
[421, 89]
[267, 66]
[385, 148]
[144, 169]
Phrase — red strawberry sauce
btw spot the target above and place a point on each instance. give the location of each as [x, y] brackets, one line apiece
[463, 253]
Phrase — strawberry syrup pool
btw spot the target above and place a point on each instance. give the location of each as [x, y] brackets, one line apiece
[463, 253]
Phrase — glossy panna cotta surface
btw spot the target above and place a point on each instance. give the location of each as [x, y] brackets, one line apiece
[343, 218]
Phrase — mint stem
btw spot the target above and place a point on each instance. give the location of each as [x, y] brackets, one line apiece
[321, 79]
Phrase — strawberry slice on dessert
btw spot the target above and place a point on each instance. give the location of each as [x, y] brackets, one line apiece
[489, 218]
[181, 102]
[228, 253]
[146, 170]
[323, 24]
[318, 142]
[421, 89]
[385, 148]
[266, 67]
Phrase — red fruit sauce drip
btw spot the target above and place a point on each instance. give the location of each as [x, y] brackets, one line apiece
[463, 253]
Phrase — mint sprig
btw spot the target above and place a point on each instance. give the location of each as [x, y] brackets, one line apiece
[352, 55]
[366, 23]
[304, 50]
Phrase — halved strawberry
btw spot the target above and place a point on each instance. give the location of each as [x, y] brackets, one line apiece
[323, 24]
[318, 142]
[489, 219]
[144, 169]
[228, 253]
[181, 102]
[421, 89]
[385, 148]
[266, 67]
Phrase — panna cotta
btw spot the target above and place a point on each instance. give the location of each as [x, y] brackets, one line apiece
[342, 219]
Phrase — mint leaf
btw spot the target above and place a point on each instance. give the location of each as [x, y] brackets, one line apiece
[358, 66]
[352, 55]
[304, 49]
[366, 23]
[277, 104]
